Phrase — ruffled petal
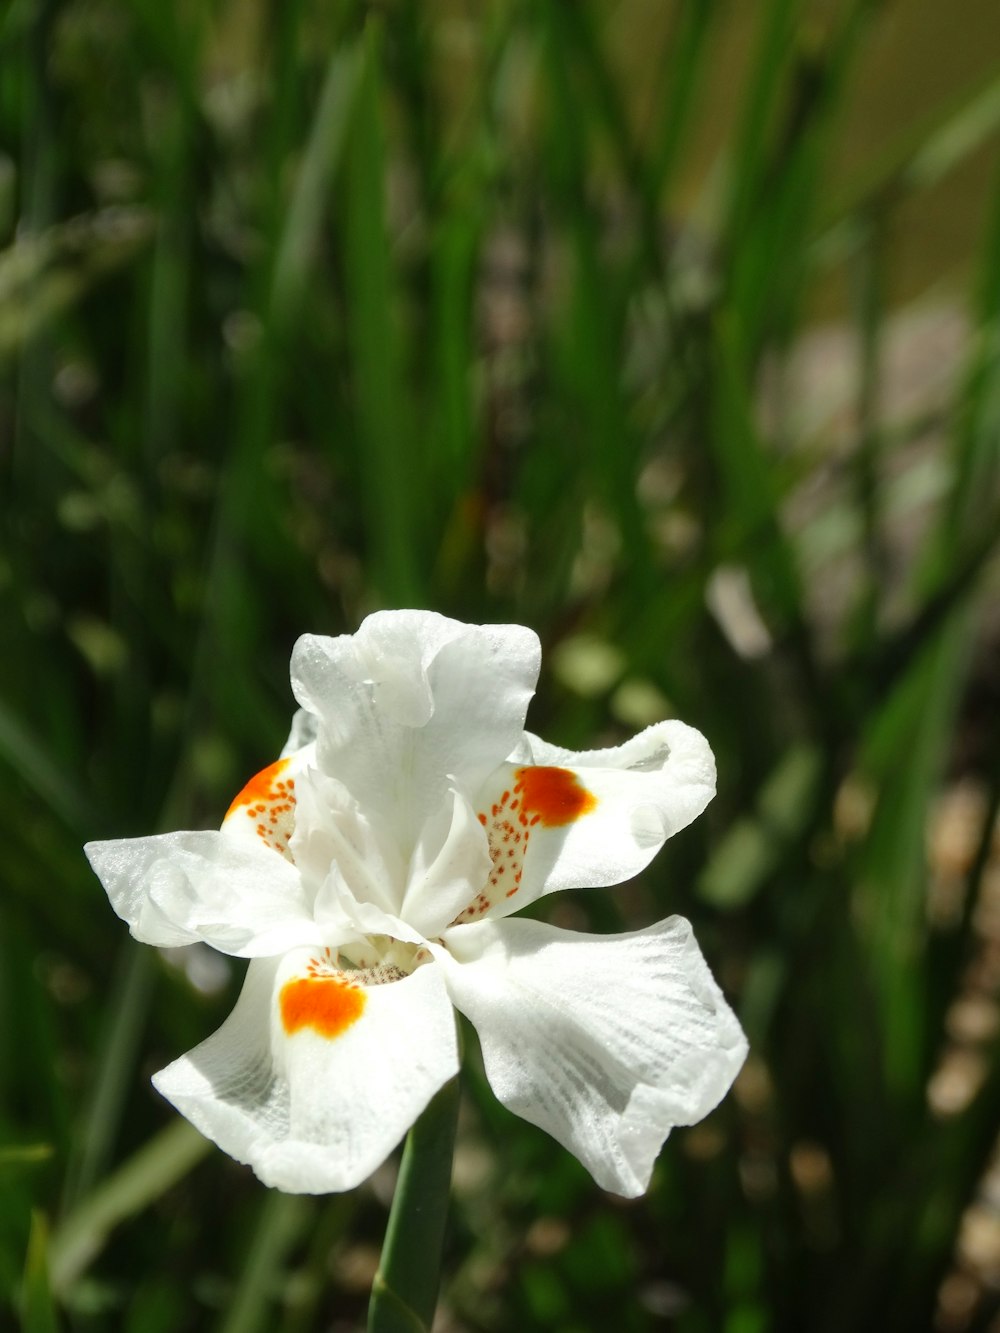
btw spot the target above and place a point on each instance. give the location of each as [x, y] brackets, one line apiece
[561, 820]
[176, 888]
[331, 829]
[605, 1042]
[413, 705]
[450, 862]
[312, 1080]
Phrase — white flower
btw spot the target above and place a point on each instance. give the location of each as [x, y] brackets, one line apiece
[370, 876]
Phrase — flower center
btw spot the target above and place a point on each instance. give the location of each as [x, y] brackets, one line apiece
[330, 995]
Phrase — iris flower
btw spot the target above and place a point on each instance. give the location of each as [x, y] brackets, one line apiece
[370, 876]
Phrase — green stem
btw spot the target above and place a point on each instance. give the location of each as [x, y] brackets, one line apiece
[404, 1293]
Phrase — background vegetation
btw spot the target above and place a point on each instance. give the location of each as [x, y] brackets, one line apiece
[669, 329]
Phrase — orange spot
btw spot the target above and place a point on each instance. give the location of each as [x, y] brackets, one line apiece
[554, 796]
[260, 788]
[329, 1005]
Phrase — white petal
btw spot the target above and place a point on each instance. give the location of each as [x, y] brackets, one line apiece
[313, 1113]
[263, 813]
[331, 829]
[302, 734]
[345, 918]
[175, 888]
[412, 705]
[560, 820]
[605, 1042]
[450, 863]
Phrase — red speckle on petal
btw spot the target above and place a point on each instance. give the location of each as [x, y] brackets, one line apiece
[328, 1005]
[554, 796]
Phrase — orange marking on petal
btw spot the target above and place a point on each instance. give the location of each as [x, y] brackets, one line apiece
[261, 787]
[328, 1005]
[555, 796]
[544, 795]
[269, 803]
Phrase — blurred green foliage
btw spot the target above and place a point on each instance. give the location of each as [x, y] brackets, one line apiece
[672, 330]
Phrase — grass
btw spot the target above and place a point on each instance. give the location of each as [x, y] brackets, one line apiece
[309, 310]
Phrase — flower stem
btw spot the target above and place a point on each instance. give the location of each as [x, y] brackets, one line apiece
[404, 1293]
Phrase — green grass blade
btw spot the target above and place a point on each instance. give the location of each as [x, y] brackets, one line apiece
[321, 160]
[127, 1006]
[282, 1221]
[38, 1308]
[392, 468]
[27, 757]
[136, 1184]
[928, 700]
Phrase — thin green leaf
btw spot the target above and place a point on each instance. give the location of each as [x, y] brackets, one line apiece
[281, 1223]
[391, 468]
[38, 1309]
[404, 1294]
[154, 1169]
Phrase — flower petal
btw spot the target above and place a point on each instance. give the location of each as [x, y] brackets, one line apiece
[349, 920]
[314, 1091]
[412, 705]
[264, 811]
[175, 888]
[304, 730]
[560, 820]
[332, 830]
[449, 864]
[605, 1042]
